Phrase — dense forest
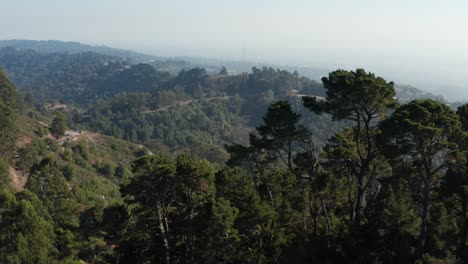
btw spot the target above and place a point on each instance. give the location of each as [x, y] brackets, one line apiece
[192, 111]
[104, 161]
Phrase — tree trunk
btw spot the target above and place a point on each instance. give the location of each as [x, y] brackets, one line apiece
[360, 201]
[313, 213]
[163, 236]
[327, 218]
[424, 217]
[351, 200]
[272, 201]
[290, 165]
[463, 250]
[363, 163]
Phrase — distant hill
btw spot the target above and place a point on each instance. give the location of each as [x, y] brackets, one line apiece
[172, 65]
[127, 100]
[452, 93]
[236, 66]
[56, 46]
[406, 93]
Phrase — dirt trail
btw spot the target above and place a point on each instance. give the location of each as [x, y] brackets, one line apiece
[73, 135]
[299, 95]
[18, 180]
[182, 103]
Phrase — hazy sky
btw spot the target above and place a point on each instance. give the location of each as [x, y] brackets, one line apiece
[422, 42]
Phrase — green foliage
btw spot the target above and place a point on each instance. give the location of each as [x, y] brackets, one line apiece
[462, 112]
[421, 126]
[8, 131]
[166, 196]
[142, 105]
[281, 132]
[354, 94]
[279, 138]
[363, 99]
[58, 75]
[48, 183]
[59, 125]
[8, 127]
[27, 236]
[393, 224]
[31, 154]
[422, 131]
[8, 93]
[300, 201]
[4, 175]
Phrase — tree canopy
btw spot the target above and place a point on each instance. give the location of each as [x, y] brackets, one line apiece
[260, 167]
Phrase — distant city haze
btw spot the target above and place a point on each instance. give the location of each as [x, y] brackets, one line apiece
[419, 42]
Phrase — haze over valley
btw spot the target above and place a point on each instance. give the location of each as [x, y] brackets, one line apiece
[420, 43]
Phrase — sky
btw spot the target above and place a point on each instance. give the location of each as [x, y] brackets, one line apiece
[418, 42]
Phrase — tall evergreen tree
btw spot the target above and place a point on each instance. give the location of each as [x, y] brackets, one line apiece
[422, 131]
[363, 99]
[172, 203]
[278, 138]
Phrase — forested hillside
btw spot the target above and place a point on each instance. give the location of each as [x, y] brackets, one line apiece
[191, 111]
[55, 46]
[52, 180]
[104, 161]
